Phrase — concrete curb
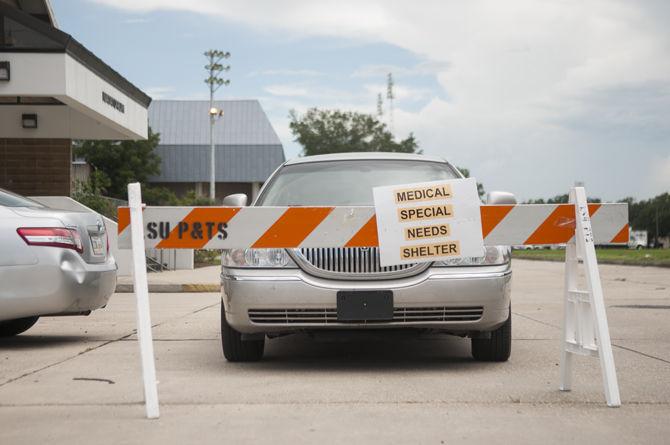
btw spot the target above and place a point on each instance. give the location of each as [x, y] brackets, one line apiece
[609, 261]
[171, 288]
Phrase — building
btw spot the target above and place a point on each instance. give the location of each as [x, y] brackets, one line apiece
[247, 147]
[54, 90]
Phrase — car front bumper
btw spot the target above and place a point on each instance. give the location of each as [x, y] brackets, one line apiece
[60, 283]
[290, 296]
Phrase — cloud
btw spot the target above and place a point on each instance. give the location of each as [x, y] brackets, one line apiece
[136, 20]
[660, 174]
[286, 90]
[428, 68]
[286, 72]
[330, 17]
[159, 92]
[401, 92]
[540, 93]
[306, 95]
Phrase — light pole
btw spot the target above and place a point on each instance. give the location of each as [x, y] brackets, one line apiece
[214, 68]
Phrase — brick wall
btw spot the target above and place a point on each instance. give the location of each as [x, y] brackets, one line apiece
[36, 166]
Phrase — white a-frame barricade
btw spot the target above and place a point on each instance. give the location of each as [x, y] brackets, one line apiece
[578, 225]
[585, 328]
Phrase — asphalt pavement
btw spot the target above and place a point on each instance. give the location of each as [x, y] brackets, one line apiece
[77, 379]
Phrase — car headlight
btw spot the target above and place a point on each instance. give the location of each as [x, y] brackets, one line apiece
[260, 258]
[494, 255]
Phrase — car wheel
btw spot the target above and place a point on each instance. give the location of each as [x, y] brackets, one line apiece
[10, 328]
[498, 347]
[234, 348]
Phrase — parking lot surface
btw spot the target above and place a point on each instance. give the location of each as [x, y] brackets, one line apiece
[77, 380]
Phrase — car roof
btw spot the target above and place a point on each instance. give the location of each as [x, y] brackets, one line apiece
[363, 156]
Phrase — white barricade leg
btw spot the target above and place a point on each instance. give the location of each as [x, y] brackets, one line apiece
[585, 328]
[142, 295]
[568, 334]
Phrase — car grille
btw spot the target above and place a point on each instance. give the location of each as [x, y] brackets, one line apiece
[326, 316]
[352, 262]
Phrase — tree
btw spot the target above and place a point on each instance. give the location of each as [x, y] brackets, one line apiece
[90, 193]
[559, 199]
[480, 186]
[118, 163]
[334, 131]
[652, 215]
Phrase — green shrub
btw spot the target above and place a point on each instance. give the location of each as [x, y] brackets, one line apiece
[207, 258]
[158, 196]
[90, 194]
[190, 199]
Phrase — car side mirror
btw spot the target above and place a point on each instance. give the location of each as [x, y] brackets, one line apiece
[235, 200]
[497, 197]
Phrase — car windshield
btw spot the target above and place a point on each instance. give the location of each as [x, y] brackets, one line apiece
[346, 183]
[9, 199]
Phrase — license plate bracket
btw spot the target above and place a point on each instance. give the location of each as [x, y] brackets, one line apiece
[368, 305]
[97, 244]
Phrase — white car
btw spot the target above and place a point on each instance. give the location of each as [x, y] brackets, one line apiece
[53, 262]
[273, 292]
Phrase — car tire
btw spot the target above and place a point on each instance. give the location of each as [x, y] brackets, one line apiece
[11, 328]
[498, 347]
[234, 348]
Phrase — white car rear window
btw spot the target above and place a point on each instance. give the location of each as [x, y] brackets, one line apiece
[9, 199]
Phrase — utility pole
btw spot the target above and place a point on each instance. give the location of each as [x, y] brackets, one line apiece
[390, 96]
[214, 68]
[656, 240]
[380, 109]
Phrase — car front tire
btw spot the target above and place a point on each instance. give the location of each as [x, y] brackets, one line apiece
[498, 347]
[11, 328]
[234, 348]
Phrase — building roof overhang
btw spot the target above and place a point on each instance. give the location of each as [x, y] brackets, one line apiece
[40, 9]
[84, 98]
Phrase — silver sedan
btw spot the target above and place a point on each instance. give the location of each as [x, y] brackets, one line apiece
[272, 292]
[52, 262]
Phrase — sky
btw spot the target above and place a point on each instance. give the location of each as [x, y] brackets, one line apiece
[530, 95]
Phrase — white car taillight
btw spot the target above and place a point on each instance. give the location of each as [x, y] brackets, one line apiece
[52, 236]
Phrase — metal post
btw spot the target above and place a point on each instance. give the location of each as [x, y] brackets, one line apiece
[213, 69]
[212, 153]
[141, 288]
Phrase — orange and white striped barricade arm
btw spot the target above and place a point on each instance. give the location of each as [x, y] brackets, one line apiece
[293, 227]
